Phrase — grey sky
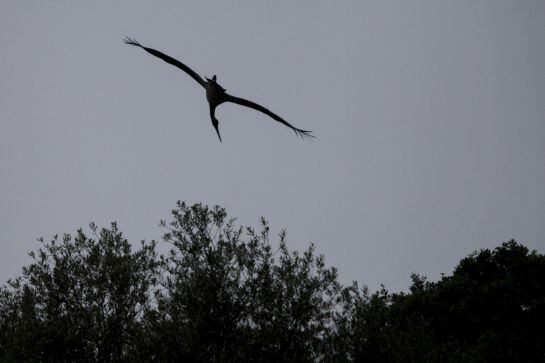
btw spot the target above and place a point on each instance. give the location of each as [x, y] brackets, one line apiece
[429, 117]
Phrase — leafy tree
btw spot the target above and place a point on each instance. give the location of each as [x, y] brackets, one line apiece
[496, 305]
[492, 308]
[229, 297]
[81, 299]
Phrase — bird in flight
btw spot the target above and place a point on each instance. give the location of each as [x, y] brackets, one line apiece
[215, 94]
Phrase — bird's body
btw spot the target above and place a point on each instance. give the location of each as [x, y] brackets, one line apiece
[216, 94]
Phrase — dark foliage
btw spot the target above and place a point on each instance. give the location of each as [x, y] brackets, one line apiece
[227, 296]
[491, 309]
[81, 299]
[225, 293]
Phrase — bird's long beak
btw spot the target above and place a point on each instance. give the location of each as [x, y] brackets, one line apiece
[218, 131]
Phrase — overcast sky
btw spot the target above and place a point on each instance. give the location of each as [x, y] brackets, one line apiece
[429, 118]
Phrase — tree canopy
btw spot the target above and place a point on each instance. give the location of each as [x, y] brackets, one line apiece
[225, 292]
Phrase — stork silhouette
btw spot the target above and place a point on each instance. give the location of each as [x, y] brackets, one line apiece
[215, 94]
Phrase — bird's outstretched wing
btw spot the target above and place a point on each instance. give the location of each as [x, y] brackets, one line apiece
[255, 106]
[168, 59]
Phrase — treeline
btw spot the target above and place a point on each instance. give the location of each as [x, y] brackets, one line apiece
[224, 293]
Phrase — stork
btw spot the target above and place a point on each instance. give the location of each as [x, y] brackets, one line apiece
[216, 94]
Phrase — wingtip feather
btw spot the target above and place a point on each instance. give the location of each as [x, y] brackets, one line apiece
[131, 41]
[304, 133]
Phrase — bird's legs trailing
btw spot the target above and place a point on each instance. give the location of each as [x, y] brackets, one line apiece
[215, 122]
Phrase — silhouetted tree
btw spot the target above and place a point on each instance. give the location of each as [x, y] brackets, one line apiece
[80, 300]
[492, 308]
[229, 297]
